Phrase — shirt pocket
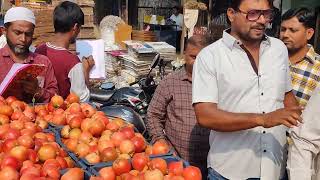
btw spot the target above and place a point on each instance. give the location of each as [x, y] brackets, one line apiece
[278, 82]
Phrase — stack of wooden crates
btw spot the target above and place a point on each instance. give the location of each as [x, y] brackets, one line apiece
[44, 30]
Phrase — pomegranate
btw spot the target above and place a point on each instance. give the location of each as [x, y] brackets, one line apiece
[192, 173]
[10, 99]
[88, 110]
[26, 141]
[63, 163]
[160, 147]
[17, 105]
[19, 152]
[32, 155]
[75, 122]
[140, 161]
[65, 131]
[159, 163]
[126, 147]
[153, 175]
[8, 144]
[59, 119]
[120, 122]
[18, 125]
[4, 119]
[139, 144]
[27, 132]
[82, 150]
[6, 110]
[93, 158]
[47, 151]
[85, 124]
[16, 115]
[73, 174]
[128, 131]
[12, 134]
[107, 173]
[57, 101]
[121, 166]
[112, 126]
[72, 98]
[85, 137]
[75, 133]
[9, 173]
[10, 161]
[175, 168]
[96, 127]
[109, 154]
[117, 138]
[72, 144]
[103, 144]
[69, 161]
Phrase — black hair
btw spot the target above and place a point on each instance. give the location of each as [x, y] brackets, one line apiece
[235, 4]
[304, 15]
[6, 25]
[66, 15]
[201, 40]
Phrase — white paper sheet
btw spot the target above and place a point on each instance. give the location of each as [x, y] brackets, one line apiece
[85, 48]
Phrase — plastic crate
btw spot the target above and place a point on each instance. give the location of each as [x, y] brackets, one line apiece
[96, 168]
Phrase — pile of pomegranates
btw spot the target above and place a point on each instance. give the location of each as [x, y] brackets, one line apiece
[91, 135]
[142, 167]
[26, 150]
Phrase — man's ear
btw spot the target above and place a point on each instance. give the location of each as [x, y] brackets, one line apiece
[310, 32]
[4, 30]
[75, 27]
[230, 14]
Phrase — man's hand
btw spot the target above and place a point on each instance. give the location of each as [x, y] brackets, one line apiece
[87, 63]
[289, 117]
[30, 86]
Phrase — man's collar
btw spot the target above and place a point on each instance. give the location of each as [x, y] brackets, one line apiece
[232, 42]
[6, 53]
[183, 74]
[311, 55]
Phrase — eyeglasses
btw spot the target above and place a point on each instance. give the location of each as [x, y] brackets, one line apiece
[254, 15]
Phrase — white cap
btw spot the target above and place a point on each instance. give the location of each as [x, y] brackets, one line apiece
[19, 14]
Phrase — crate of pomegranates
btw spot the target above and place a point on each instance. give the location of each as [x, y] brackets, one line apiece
[142, 166]
[28, 147]
[94, 137]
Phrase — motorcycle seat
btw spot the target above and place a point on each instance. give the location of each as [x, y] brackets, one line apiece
[101, 95]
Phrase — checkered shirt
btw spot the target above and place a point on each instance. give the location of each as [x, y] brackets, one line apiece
[305, 76]
[172, 117]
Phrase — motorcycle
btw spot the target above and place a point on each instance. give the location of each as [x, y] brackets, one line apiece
[129, 103]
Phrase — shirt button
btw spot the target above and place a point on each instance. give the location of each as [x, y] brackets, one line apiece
[261, 94]
[264, 150]
[264, 132]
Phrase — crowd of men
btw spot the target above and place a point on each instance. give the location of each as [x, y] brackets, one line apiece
[229, 111]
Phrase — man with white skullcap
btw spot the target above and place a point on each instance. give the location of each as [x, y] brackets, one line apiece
[19, 24]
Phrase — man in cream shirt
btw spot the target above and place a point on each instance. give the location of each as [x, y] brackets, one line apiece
[242, 92]
[303, 159]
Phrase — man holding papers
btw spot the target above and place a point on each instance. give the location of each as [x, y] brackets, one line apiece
[71, 74]
[19, 23]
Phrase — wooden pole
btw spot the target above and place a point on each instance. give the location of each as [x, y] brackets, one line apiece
[209, 13]
[184, 30]
[127, 11]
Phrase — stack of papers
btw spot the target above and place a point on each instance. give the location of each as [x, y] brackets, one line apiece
[166, 51]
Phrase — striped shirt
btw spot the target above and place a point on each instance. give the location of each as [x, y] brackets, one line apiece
[305, 76]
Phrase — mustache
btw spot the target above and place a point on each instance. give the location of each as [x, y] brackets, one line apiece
[260, 26]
